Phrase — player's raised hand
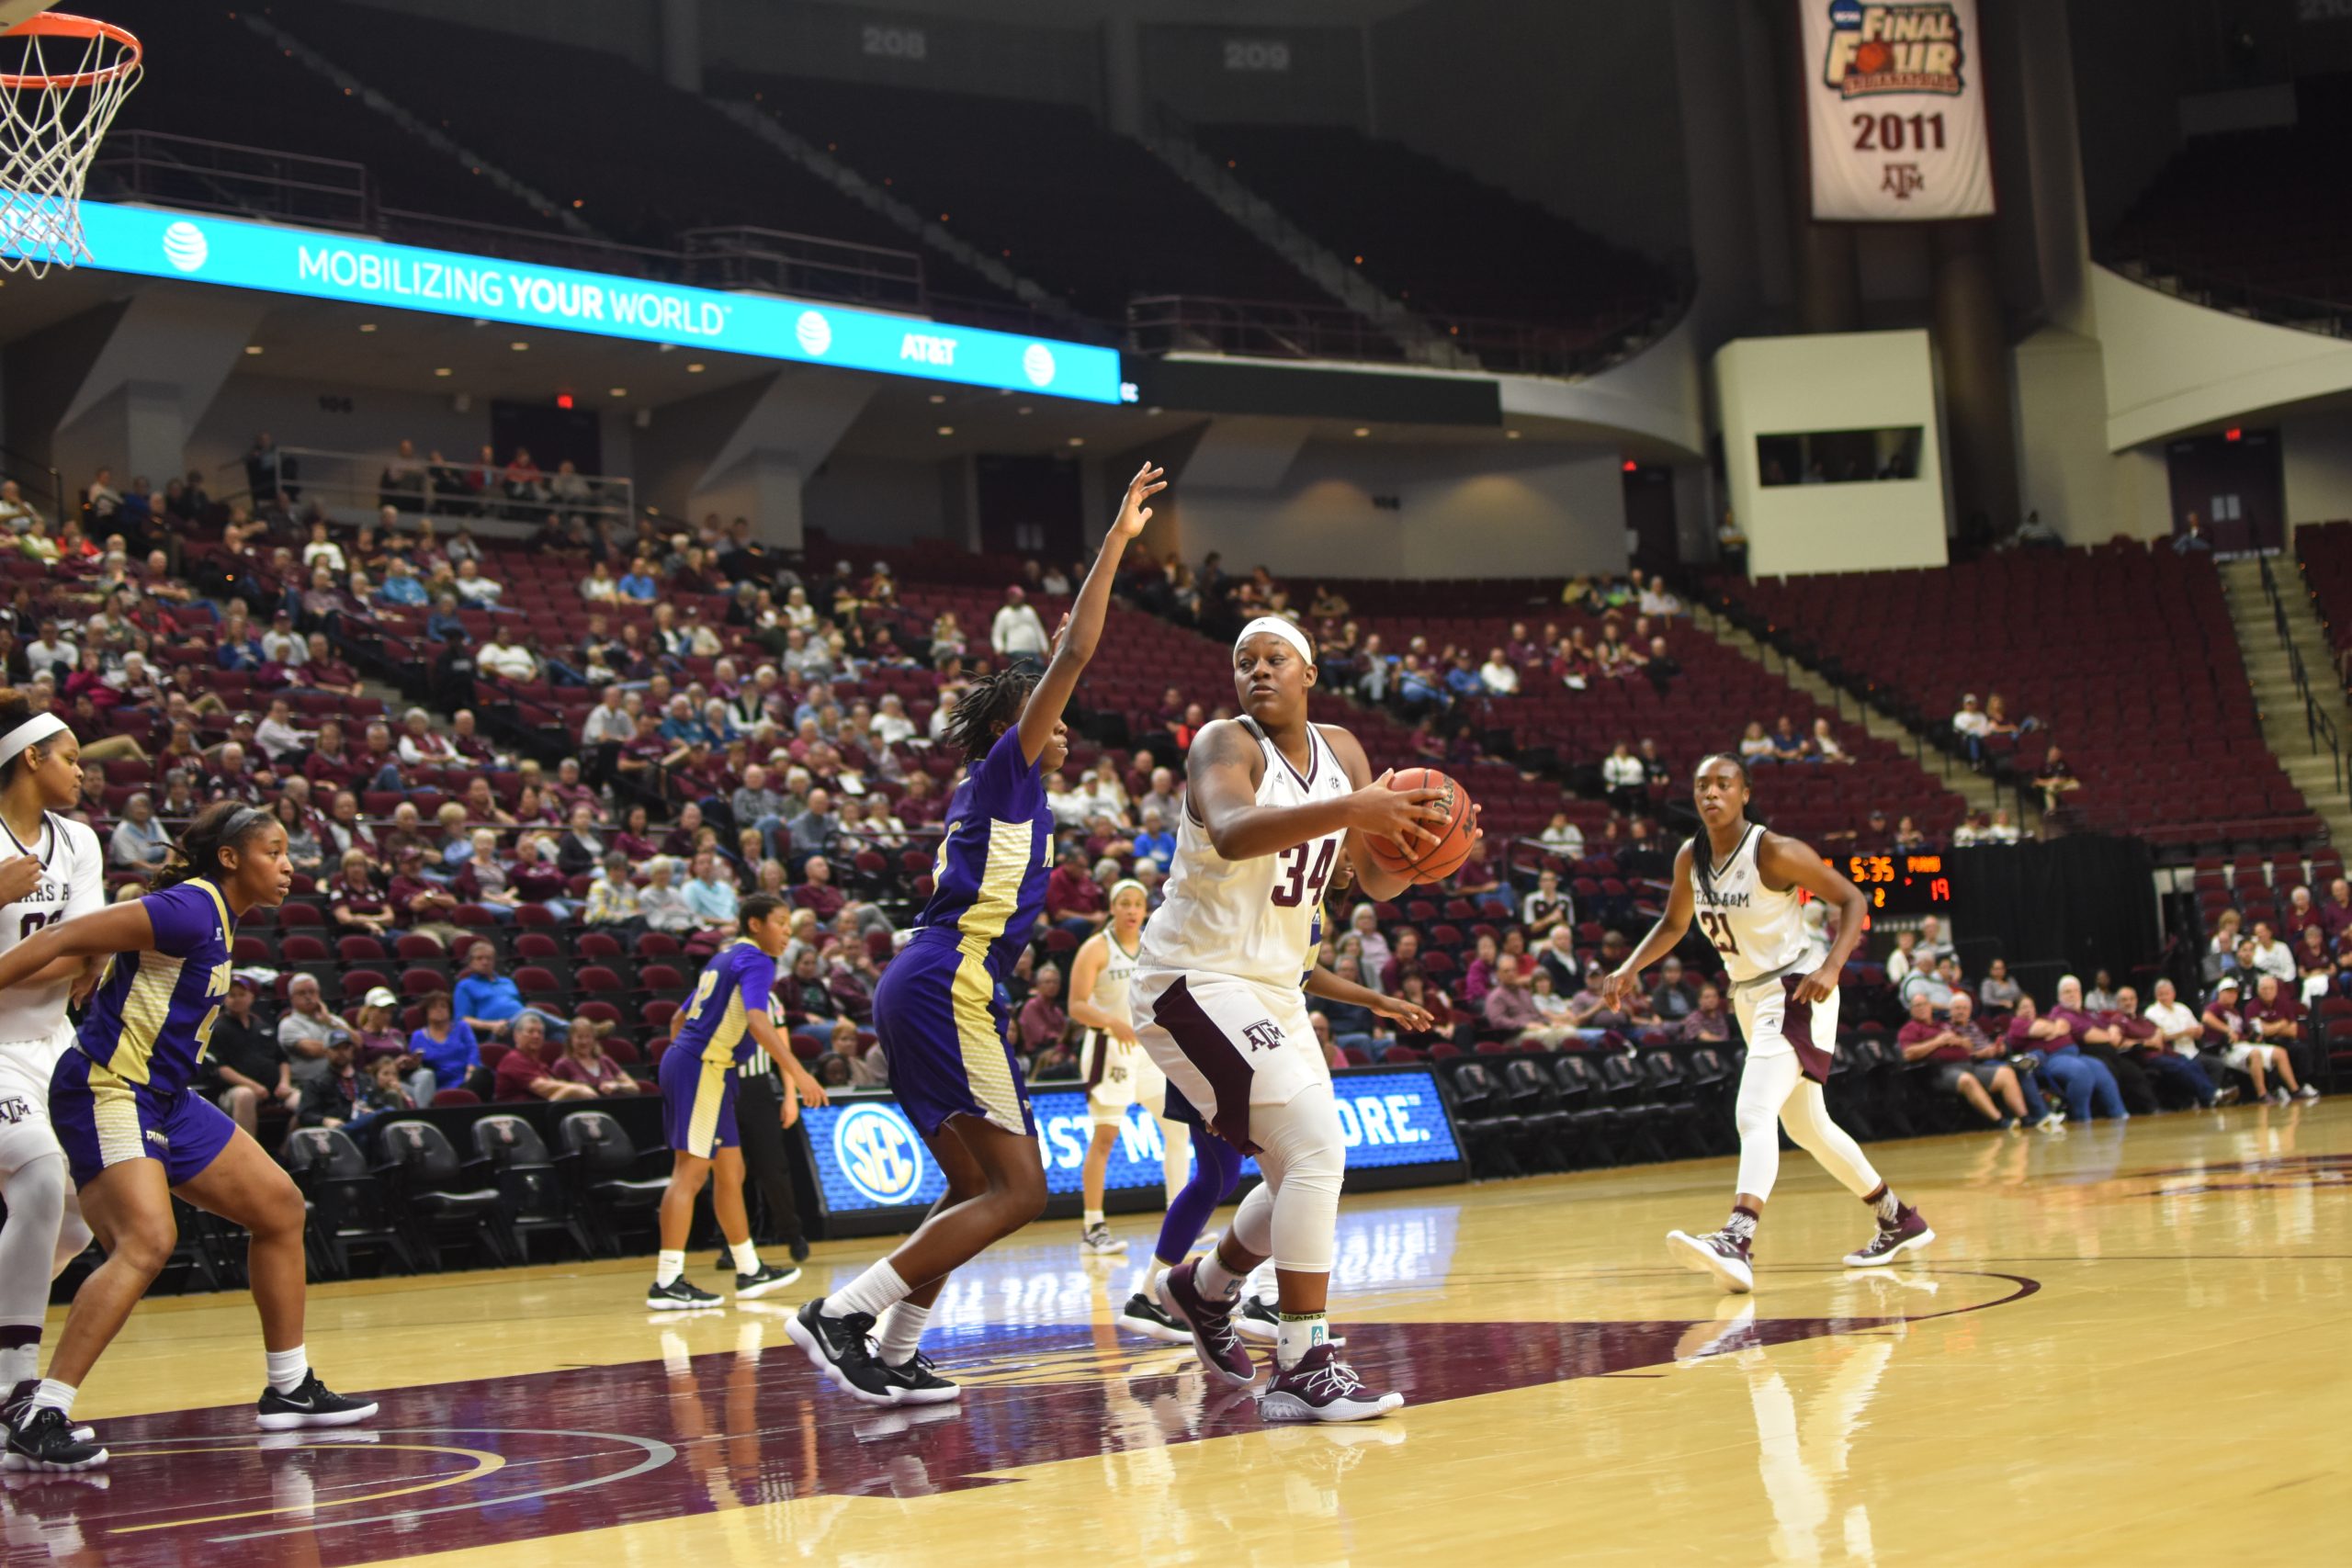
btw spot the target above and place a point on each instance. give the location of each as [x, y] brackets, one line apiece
[20, 874]
[1133, 513]
[1403, 816]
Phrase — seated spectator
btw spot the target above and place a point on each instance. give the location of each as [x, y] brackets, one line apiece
[474, 589]
[504, 656]
[1825, 745]
[1904, 959]
[1998, 992]
[1709, 1023]
[661, 906]
[1624, 778]
[528, 1071]
[445, 1048]
[1961, 1061]
[584, 1062]
[537, 879]
[303, 1029]
[2055, 779]
[2102, 1040]
[2144, 1043]
[710, 894]
[1509, 1008]
[321, 670]
[1788, 746]
[818, 894]
[1675, 997]
[2047, 1045]
[2271, 956]
[245, 1068]
[1968, 727]
[2240, 1051]
[1074, 901]
[1754, 746]
[490, 1004]
[1416, 989]
[140, 842]
[2274, 1018]
[1545, 907]
[331, 1097]
[1564, 837]
[1497, 676]
[1041, 1023]
[357, 902]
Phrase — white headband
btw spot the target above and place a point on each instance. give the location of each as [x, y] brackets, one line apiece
[1280, 628]
[32, 732]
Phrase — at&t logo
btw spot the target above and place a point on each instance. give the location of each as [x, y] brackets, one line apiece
[184, 246]
[879, 1153]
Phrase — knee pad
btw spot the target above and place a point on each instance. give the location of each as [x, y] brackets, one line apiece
[1253, 1222]
[38, 1190]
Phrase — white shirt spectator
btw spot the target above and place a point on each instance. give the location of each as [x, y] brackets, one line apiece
[1018, 632]
[1566, 838]
[2277, 959]
[509, 659]
[284, 648]
[1623, 773]
[16, 513]
[607, 721]
[42, 655]
[940, 717]
[2174, 1020]
[1969, 720]
[891, 728]
[326, 553]
[480, 592]
[276, 737]
[1656, 600]
[1500, 678]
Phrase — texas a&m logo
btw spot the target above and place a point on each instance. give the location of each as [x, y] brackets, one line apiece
[1262, 1035]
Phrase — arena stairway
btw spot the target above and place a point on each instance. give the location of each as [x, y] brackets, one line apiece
[2270, 674]
[1980, 791]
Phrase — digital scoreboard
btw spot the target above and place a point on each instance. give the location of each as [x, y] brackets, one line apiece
[1902, 882]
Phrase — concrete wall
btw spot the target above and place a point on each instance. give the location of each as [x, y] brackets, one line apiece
[2172, 366]
[2317, 449]
[881, 501]
[1461, 513]
[1832, 381]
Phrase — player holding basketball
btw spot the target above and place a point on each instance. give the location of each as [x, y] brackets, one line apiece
[728, 1020]
[55, 871]
[136, 1133]
[939, 1012]
[1271, 803]
[1743, 882]
[1115, 1070]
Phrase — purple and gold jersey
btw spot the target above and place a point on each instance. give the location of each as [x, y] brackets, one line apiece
[151, 1018]
[988, 882]
[717, 1030]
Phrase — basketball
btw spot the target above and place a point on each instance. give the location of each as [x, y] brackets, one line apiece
[1872, 58]
[1443, 858]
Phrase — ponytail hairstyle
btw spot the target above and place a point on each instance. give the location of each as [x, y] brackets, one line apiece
[986, 707]
[224, 825]
[1702, 854]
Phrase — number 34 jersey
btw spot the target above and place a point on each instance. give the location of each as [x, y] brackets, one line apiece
[73, 882]
[1253, 919]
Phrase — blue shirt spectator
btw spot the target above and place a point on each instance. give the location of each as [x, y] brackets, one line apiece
[1159, 846]
[484, 996]
[635, 584]
[401, 588]
[443, 626]
[454, 1055]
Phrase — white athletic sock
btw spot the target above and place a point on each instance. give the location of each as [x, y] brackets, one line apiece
[1093, 1218]
[1262, 1283]
[54, 1395]
[1298, 1333]
[873, 1293]
[288, 1367]
[18, 1363]
[1216, 1281]
[746, 1256]
[667, 1267]
[899, 1332]
[1154, 1273]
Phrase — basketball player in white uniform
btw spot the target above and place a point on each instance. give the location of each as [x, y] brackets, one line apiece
[1743, 884]
[53, 870]
[1116, 1069]
[1271, 803]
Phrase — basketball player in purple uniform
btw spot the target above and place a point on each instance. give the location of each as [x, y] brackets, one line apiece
[937, 1009]
[136, 1132]
[1745, 885]
[726, 1022]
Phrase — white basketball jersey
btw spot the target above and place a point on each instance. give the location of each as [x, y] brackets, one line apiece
[1756, 931]
[72, 883]
[1253, 919]
[1118, 967]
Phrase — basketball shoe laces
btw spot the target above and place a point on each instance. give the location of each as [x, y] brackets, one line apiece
[1333, 1379]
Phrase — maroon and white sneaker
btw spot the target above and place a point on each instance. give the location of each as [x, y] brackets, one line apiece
[1905, 1231]
[1718, 1253]
[1211, 1322]
[1321, 1387]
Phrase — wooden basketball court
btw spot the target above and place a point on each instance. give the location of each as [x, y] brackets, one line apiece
[2127, 1346]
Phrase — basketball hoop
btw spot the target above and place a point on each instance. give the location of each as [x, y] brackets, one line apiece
[61, 79]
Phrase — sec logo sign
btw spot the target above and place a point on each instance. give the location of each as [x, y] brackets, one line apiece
[879, 1153]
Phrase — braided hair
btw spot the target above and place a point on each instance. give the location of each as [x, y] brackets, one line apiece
[1702, 852]
[987, 706]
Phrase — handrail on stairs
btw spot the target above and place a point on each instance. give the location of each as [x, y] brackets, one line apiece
[2317, 725]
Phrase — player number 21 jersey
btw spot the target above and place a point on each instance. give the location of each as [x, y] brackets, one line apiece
[1249, 918]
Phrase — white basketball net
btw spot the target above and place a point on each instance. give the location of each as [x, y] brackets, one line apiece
[61, 79]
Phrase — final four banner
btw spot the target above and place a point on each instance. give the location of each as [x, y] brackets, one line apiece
[1895, 102]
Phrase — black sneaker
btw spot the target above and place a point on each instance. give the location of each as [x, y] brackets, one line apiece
[311, 1404]
[20, 1399]
[918, 1383]
[680, 1296]
[838, 1347]
[1258, 1320]
[751, 1287]
[42, 1438]
[1147, 1317]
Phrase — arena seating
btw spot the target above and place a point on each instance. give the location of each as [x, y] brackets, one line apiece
[1087, 213]
[2124, 655]
[2260, 208]
[2325, 552]
[1444, 242]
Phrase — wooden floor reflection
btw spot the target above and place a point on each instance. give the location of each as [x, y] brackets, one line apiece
[2127, 1345]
